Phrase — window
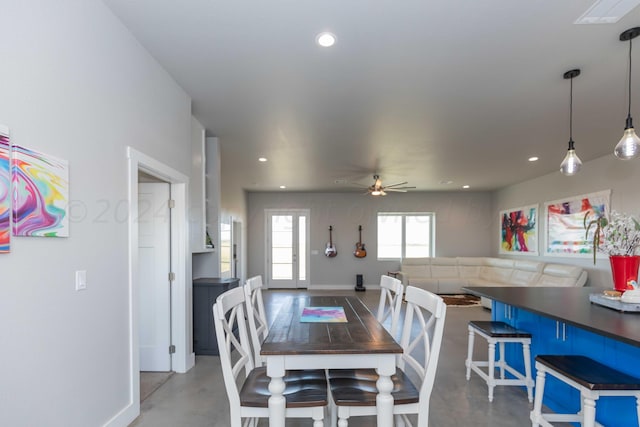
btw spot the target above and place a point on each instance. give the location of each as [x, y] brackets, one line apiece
[405, 235]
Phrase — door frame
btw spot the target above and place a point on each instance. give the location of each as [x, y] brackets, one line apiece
[267, 227]
[184, 358]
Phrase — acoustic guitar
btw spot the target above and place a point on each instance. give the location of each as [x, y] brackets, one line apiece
[330, 250]
[360, 252]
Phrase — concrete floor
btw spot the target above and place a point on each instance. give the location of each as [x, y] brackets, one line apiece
[198, 398]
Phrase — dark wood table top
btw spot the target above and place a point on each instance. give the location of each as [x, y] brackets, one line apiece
[362, 333]
[569, 305]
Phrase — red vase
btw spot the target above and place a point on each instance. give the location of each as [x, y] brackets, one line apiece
[624, 269]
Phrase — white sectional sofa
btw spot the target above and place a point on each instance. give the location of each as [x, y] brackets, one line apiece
[448, 275]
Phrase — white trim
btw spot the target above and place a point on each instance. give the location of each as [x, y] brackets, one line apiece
[183, 359]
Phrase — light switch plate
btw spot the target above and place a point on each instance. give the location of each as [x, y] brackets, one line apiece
[81, 280]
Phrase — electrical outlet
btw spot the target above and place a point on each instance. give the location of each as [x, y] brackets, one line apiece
[81, 280]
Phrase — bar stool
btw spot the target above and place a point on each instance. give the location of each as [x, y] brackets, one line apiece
[501, 333]
[591, 378]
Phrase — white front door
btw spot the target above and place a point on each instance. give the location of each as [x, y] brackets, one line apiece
[288, 248]
[154, 234]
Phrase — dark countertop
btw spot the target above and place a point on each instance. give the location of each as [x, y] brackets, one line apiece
[569, 305]
[215, 281]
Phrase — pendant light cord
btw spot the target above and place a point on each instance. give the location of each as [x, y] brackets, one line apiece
[629, 110]
[571, 112]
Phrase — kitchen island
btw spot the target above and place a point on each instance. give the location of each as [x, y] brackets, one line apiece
[564, 321]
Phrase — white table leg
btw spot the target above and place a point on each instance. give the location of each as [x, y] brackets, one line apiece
[384, 400]
[277, 401]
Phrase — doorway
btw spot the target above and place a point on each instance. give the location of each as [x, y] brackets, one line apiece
[183, 359]
[287, 248]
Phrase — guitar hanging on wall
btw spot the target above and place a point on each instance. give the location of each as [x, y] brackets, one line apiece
[330, 250]
[360, 252]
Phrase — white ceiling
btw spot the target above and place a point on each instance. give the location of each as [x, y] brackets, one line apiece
[423, 91]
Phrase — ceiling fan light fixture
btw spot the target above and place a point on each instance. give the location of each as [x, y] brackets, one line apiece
[629, 145]
[571, 163]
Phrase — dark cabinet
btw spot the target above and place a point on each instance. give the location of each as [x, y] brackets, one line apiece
[205, 292]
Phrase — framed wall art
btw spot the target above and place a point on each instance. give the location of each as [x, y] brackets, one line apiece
[564, 220]
[519, 231]
[40, 194]
[5, 190]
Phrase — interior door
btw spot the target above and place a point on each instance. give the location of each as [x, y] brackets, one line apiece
[154, 234]
[287, 248]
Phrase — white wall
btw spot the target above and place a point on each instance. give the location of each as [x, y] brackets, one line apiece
[463, 228]
[75, 84]
[621, 177]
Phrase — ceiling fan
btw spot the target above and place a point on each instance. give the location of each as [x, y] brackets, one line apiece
[377, 189]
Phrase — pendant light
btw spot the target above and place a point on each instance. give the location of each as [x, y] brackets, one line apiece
[629, 145]
[571, 163]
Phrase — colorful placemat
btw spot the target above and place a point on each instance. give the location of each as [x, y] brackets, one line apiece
[323, 314]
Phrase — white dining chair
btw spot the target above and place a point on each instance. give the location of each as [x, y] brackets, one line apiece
[247, 386]
[390, 304]
[354, 391]
[256, 315]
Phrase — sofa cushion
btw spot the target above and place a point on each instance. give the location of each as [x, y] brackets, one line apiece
[495, 274]
[425, 283]
[524, 278]
[561, 275]
[444, 267]
[469, 267]
[416, 270]
[526, 273]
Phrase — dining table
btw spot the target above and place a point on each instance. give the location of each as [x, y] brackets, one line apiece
[328, 332]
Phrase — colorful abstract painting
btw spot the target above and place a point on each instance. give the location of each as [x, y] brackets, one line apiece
[5, 189]
[40, 194]
[323, 314]
[519, 231]
[565, 223]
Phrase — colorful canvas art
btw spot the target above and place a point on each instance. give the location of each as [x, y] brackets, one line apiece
[323, 315]
[566, 234]
[519, 231]
[5, 190]
[40, 194]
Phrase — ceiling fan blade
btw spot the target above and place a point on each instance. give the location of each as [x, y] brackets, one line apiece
[396, 184]
[397, 190]
[400, 188]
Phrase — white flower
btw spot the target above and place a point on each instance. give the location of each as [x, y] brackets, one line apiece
[620, 235]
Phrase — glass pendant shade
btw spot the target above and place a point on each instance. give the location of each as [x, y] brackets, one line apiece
[629, 146]
[571, 163]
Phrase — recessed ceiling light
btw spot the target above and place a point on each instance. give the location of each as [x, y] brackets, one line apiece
[326, 39]
[283, 186]
[465, 186]
[533, 159]
[262, 159]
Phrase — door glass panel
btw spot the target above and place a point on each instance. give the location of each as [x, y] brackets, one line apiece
[282, 271]
[302, 248]
[282, 247]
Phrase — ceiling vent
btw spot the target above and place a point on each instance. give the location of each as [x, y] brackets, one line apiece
[607, 11]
